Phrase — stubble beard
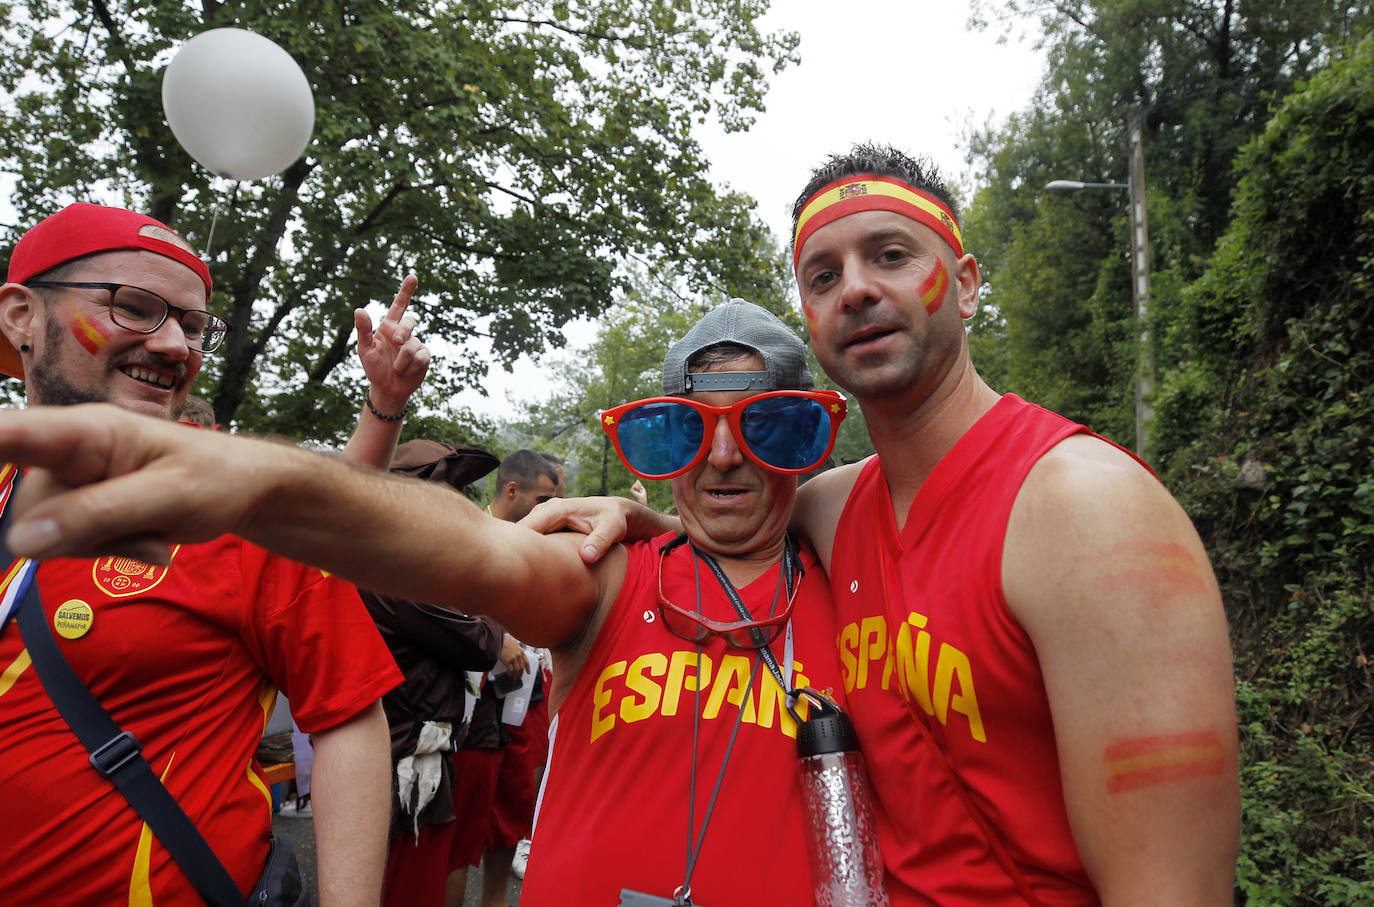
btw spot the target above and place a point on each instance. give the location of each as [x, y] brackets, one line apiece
[876, 380]
[47, 386]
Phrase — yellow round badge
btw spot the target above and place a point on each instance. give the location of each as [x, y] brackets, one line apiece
[73, 619]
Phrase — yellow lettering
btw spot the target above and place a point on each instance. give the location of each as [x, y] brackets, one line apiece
[872, 645]
[954, 663]
[889, 664]
[654, 663]
[600, 697]
[913, 678]
[803, 706]
[679, 679]
[848, 643]
[732, 683]
[772, 700]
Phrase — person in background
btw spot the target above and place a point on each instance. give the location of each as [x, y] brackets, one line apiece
[525, 478]
[497, 768]
[297, 800]
[196, 411]
[562, 488]
[435, 649]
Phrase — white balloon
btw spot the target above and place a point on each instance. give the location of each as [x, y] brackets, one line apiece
[238, 103]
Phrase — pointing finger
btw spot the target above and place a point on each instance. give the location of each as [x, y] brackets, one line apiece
[398, 305]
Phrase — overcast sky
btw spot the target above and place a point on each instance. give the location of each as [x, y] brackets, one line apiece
[904, 72]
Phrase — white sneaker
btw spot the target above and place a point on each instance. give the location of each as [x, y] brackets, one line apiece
[522, 858]
[297, 807]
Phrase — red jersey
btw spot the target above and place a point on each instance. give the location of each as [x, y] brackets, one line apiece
[188, 658]
[962, 658]
[614, 812]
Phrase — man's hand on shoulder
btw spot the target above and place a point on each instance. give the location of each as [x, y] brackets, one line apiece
[603, 520]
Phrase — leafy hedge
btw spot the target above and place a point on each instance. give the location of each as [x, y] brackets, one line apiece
[1265, 428]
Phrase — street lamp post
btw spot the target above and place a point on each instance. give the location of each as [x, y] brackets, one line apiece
[1140, 270]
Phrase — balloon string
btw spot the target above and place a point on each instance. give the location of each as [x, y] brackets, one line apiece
[214, 219]
[210, 242]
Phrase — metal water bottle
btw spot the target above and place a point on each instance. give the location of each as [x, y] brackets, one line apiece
[846, 865]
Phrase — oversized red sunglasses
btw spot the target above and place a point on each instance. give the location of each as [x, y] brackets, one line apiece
[782, 431]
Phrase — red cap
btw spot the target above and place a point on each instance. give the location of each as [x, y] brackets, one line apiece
[84, 229]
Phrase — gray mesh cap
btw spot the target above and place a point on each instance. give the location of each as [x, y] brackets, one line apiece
[738, 321]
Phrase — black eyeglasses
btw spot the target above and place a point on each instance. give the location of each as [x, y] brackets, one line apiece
[143, 312]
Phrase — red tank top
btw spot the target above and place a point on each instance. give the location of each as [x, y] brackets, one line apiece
[614, 812]
[959, 654]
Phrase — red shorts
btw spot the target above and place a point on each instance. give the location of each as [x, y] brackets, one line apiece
[474, 795]
[517, 785]
[417, 869]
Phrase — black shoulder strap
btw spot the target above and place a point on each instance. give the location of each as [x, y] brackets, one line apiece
[115, 753]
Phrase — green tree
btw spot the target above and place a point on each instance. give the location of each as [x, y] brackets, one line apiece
[1058, 325]
[1267, 430]
[624, 362]
[508, 151]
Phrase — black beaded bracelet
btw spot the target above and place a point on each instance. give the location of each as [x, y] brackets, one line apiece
[383, 416]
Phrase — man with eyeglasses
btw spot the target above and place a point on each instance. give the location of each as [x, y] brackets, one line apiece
[103, 304]
[673, 765]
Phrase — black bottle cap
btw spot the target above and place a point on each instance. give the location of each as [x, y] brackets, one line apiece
[827, 730]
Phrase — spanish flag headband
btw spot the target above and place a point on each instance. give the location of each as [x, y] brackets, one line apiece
[865, 192]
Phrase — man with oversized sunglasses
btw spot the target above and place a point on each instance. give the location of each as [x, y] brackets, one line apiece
[105, 304]
[1036, 656]
[672, 769]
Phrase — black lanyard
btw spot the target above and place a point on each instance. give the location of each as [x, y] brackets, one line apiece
[791, 573]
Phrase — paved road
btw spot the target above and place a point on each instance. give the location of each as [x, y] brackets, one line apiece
[302, 834]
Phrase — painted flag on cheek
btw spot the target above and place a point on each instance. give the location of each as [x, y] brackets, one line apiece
[932, 289]
[90, 334]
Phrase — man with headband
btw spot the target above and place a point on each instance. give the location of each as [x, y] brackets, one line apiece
[103, 304]
[1036, 653]
[672, 769]
[1033, 643]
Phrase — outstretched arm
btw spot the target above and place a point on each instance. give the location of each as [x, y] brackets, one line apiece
[1106, 574]
[395, 363]
[122, 483]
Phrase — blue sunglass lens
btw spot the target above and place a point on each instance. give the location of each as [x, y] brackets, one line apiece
[787, 432]
[659, 438]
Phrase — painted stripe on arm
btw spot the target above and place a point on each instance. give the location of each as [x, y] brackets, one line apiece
[1147, 761]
